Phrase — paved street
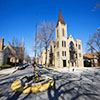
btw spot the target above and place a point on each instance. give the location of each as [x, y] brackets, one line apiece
[68, 86]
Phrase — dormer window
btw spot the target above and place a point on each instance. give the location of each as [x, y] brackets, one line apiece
[63, 33]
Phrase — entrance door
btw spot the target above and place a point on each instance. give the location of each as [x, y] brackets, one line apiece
[64, 63]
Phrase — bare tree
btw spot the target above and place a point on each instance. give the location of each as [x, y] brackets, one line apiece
[19, 49]
[28, 58]
[93, 43]
[45, 35]
[97, 5]
[39, 50]
[15, 42]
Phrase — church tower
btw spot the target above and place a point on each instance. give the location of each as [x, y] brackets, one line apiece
[65, 51]
[61, 42]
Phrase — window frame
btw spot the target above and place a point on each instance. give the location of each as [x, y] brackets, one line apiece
[62, 53]
[63, 32]
[58, 54]
[79, 46]
[57, 33]
[62, 43]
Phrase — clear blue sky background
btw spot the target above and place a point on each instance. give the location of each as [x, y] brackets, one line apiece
[18, 18]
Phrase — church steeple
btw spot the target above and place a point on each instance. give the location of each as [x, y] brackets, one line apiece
[60, 19]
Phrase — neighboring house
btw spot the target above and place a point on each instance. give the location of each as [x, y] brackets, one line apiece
[65, 51]
[10, 54]
[91, 59]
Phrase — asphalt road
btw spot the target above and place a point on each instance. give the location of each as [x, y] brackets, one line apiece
[68, 86]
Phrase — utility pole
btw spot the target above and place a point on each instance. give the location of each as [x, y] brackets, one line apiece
[36, 37]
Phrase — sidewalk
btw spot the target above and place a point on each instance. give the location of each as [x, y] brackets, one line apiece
[76, 70]
[8, 71]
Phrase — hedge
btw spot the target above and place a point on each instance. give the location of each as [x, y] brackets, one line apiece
[5, 66]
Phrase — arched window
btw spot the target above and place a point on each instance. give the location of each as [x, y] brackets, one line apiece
[50, 49]
[71, 50]
[71, 46]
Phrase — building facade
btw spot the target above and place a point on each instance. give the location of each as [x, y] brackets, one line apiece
[92, 59]
[65, 51]
[10, 54]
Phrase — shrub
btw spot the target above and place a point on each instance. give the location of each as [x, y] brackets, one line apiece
[5, 66]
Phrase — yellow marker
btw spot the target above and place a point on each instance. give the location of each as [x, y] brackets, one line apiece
[36, 75]
[35, 67]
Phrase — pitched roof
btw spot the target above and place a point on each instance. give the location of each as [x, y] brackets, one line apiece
[91, 55]
[16, 51]
[60, 19]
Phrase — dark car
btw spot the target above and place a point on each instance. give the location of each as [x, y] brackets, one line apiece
[26, 64]
[21, 66]
[39, 65]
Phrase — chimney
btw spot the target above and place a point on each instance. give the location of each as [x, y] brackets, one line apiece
[2, 44]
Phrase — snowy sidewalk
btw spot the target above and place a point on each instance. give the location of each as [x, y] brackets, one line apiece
[64, 70]
[76, 70]
[8, 71]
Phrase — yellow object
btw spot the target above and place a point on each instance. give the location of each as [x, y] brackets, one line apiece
[16, 82]
[35, 67]
[36, 75]
[17, 87]
[26, 90]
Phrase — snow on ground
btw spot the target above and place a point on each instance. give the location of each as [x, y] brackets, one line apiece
[76, 70]
[8, 71]
[81, 84]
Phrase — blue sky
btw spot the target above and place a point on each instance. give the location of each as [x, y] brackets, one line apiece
[18, 18]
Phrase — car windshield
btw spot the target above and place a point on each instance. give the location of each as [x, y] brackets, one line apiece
[20, 65]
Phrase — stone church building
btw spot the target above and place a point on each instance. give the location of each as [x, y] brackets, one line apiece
[65, 51]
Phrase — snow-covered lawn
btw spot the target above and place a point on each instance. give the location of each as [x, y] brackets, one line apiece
[8, 70]
[76, 70]
[81, 84]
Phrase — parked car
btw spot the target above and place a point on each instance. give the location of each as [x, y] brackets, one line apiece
[39, 65]
[21, 66]
[29, 64]
[26, 64]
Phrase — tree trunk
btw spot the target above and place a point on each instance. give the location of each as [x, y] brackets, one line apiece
[46, 58]
[15, 62]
